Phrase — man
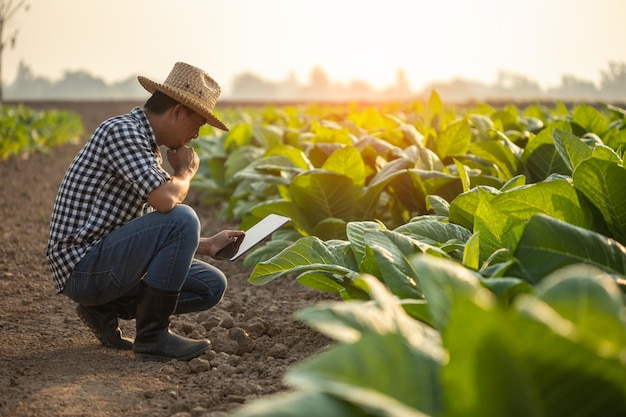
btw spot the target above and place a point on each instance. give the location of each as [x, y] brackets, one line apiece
[121, 243]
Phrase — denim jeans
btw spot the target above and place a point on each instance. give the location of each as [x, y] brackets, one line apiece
[158, 248]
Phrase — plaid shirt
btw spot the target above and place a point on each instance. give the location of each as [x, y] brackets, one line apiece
[106, 185]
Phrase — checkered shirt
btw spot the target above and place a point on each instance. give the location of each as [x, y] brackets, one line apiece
[106, 185]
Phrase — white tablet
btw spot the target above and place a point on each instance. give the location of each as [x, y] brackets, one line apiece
[254, 235]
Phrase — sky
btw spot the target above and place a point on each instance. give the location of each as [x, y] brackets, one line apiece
[430, 40]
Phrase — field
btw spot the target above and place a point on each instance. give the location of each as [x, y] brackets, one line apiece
[51, 365]
[474, 257]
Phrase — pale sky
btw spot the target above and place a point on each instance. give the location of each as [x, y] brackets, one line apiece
[432, 40]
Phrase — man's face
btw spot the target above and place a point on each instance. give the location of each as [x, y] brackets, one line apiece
[185, 126]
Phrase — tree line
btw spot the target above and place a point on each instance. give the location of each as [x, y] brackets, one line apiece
[249, 86]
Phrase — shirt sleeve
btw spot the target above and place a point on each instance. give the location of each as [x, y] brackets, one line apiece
[129, 155]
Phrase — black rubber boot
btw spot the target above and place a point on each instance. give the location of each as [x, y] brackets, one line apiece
[154, 341]
[102, 321]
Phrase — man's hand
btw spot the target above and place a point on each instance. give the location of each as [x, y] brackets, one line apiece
[184, 161]
[209, 246]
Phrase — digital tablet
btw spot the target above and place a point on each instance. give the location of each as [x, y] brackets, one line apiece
[254, 235]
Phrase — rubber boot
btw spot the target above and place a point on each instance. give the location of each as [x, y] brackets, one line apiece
[154, 340]
[102, 321]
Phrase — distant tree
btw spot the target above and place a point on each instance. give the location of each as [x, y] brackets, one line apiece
[7, 10]
[250, 86]
[613, 82]
[401, 89]
[27, 85]
[573, 88]
[79, 85]
[516, 85]
[319, 82]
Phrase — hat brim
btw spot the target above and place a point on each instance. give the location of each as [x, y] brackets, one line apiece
[183, 98]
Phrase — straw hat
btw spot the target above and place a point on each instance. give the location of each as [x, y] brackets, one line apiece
[191, 87]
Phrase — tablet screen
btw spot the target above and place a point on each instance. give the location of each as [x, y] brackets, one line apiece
[254, 235]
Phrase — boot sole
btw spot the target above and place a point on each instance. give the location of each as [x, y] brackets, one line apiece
[151, 357]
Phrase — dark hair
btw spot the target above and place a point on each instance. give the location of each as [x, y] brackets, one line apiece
[160, 102]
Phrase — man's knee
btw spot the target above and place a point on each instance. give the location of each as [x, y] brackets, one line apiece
[186, 217]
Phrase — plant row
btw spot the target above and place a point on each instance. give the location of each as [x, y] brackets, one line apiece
[24, 130]
[479, 253]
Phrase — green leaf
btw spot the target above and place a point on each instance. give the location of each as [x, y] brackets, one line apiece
[322, 194]
[330, 228]
[307, 254]
[268, 136]
[590, 119]
[455, 139]
[571, 148]
[355, 232]
[526, 367]
[500, 218]
[541, 156]
[382, 345]
[295, 155]
[463, 175]
[590, 299]
[604, 184]
[320, 281]
[471, 253]
[435, 230]
[347, 161]
[444, 283]
[438, 205]
[392, 251]
[496, 228]
[547, 245]
[238, 136]
[502, 156]
[297, 404]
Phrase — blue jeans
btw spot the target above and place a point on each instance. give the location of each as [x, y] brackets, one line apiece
[158, 248]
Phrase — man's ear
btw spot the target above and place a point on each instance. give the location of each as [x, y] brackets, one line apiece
[177, 111]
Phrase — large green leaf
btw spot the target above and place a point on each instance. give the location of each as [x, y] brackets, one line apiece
[347, 161]
[497, 230]
[295, 155]
[463, 207]
[443, 282]
[299, 219]
[501, 155]
[571, 148]
[500, 218]
[392, 252]
[555, 197]
[590, 299]
[307, 254]
[268, 135]
[355, 232]
[435, 229]
[590, 119]
[323, 194]
[548, 244]
[541, 156]
[604, 184]
[410, 191]
[389, 362]
[238, 136]
[298, 404]
[455, 139]
[525, 366]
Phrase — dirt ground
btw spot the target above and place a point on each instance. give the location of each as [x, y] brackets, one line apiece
[50, 363]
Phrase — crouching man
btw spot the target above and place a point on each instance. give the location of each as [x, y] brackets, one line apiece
[121, 244]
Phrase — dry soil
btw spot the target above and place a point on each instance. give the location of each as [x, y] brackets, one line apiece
[50, 363]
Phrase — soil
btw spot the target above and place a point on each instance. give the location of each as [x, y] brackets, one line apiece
[52, 365]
